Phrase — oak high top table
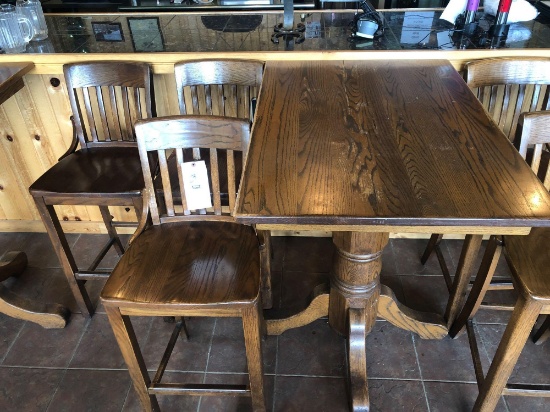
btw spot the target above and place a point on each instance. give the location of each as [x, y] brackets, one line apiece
[363, 148]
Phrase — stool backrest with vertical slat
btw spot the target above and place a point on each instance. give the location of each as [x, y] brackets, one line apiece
[536, 134]
[509, 86]
[107, 99]
[166, 135]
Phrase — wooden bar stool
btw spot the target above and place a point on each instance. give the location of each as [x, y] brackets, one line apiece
[223, 87]
[529, 260]
[106, 98]
[188, 262]
[506, 87]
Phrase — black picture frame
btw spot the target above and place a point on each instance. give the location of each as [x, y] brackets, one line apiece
[146, 34]
[108, 31]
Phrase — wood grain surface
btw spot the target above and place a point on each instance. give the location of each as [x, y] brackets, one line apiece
[397, 143]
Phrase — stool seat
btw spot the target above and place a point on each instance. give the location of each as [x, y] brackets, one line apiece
[529, 259]
[195, 263]
[103, 170]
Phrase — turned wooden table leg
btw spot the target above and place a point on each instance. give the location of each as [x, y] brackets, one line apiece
[354, 292]
[47, 315]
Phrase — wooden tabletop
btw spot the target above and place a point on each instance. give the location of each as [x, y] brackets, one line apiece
[399, 145]
[11, 78]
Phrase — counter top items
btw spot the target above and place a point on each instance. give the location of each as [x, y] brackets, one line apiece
[15, 30]
[32, 10]
[252, 33]
[364, 148]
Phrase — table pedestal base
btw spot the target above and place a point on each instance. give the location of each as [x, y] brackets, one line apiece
[46, 315]
[355, 299]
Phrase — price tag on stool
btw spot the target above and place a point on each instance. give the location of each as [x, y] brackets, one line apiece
[195, 184]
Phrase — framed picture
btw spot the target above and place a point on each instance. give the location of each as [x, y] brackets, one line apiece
[146, 34]
[107, 31]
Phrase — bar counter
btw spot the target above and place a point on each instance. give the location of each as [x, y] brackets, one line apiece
[36, 129]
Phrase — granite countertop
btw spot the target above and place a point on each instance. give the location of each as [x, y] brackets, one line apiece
[244, 32]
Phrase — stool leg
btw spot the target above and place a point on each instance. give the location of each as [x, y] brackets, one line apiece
[516, 334]
[265, 259]
[434, 241]
[111, 231]
[64, 254]
[127, 342]
[252, 325]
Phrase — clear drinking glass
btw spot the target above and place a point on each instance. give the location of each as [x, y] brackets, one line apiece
[15, 30]
[32, 10]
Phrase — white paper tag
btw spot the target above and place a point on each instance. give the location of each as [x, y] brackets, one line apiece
[195, 184]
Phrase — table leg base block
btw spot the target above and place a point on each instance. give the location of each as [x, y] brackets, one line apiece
[317, 308]
[426, 325]
[358, 386]
[49, 316]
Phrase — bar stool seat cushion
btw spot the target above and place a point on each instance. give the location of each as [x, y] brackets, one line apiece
[108, 170]
[195, 263]
[529, 257]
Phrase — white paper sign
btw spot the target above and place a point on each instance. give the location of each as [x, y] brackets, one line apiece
[195, 184]
[417, 27]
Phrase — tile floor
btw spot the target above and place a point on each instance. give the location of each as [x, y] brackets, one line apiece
[80, 368]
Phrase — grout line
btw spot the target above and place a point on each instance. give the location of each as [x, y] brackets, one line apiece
[420, 372]
[208, 360]
[13, 343]
[86, 325]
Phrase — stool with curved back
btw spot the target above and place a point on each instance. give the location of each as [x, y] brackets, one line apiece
[106, 98]
[188, 262]
[529, 260]
[225, 88]
[507, 87]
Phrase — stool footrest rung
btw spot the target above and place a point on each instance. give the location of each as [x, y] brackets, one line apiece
[198, 389]
[92, 275]
[519, 389]
[104, 250]
[124, 224]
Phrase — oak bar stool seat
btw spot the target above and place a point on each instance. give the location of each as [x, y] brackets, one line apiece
[196, 262]
[225, 87]
[106, 98]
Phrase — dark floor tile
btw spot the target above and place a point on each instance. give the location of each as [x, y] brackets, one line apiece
[234, 403]
[311, 254]
[397, 395]
[12, 241]
[168, 403]
[40, 251]
[9, 329]
[388, 260]
[456, 397]
[191, 355]
[36, 346]
[425, 293]
[91, 390]
[533, 364]
[44, 285]
[228, 352]
[297, 288]
[310, 394]
[313, 350]
[488, 316]
[278, 252]
[407, 253]
[25, 389]
[527, 403]
[446, 359]
[98, 347]
[390, 353]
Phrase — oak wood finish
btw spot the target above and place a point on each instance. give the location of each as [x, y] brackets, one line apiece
[11, 78]
[49, 316]
[106, 100]
[371, 146]
[224, 87]
[506, 87]
[188, 262]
